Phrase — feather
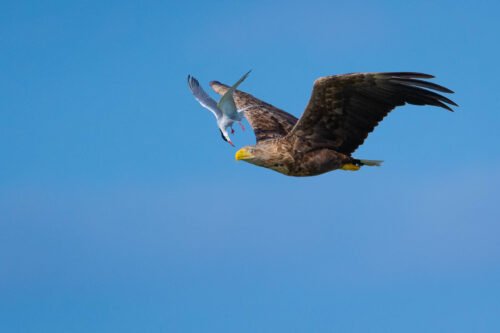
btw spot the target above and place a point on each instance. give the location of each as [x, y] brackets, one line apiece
[361, 101]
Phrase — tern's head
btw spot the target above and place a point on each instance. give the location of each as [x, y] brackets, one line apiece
[225, 136]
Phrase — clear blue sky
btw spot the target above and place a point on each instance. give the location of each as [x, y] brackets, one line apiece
[122, 210]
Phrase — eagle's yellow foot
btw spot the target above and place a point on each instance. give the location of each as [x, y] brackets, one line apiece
[350, 167]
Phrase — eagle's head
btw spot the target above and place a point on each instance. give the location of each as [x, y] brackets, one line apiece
[263, 156]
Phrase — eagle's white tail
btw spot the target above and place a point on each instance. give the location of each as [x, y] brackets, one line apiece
[370, 162]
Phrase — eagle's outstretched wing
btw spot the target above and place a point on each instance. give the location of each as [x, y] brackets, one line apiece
[344, 109]
[226, 103]
[267, 121]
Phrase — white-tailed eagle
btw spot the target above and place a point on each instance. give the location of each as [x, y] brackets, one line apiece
[342, 111]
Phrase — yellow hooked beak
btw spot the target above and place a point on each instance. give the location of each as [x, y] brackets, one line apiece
[243, 154]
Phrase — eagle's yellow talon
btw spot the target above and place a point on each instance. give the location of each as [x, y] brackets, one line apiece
[350, 167]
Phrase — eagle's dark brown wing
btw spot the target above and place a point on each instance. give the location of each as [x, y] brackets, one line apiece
[344, 109]
[267, 121]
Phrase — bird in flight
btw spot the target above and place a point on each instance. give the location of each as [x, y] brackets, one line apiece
[342, 111]
[225, 111]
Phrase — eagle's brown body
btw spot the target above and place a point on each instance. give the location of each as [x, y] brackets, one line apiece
[293, 157]
[341, 113]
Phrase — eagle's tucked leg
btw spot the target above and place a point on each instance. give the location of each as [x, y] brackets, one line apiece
[350, 167]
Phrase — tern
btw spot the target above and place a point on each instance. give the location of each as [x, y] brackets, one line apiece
[225, 111]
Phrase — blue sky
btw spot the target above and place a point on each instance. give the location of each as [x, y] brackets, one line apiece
[121, 209]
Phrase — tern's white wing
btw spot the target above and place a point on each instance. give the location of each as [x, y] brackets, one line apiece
[203, 98]
[226, 103]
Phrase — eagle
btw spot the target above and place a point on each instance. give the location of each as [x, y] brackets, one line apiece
[342, 111]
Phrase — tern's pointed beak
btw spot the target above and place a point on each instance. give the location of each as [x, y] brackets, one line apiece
[243, 154]
[230, 142]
